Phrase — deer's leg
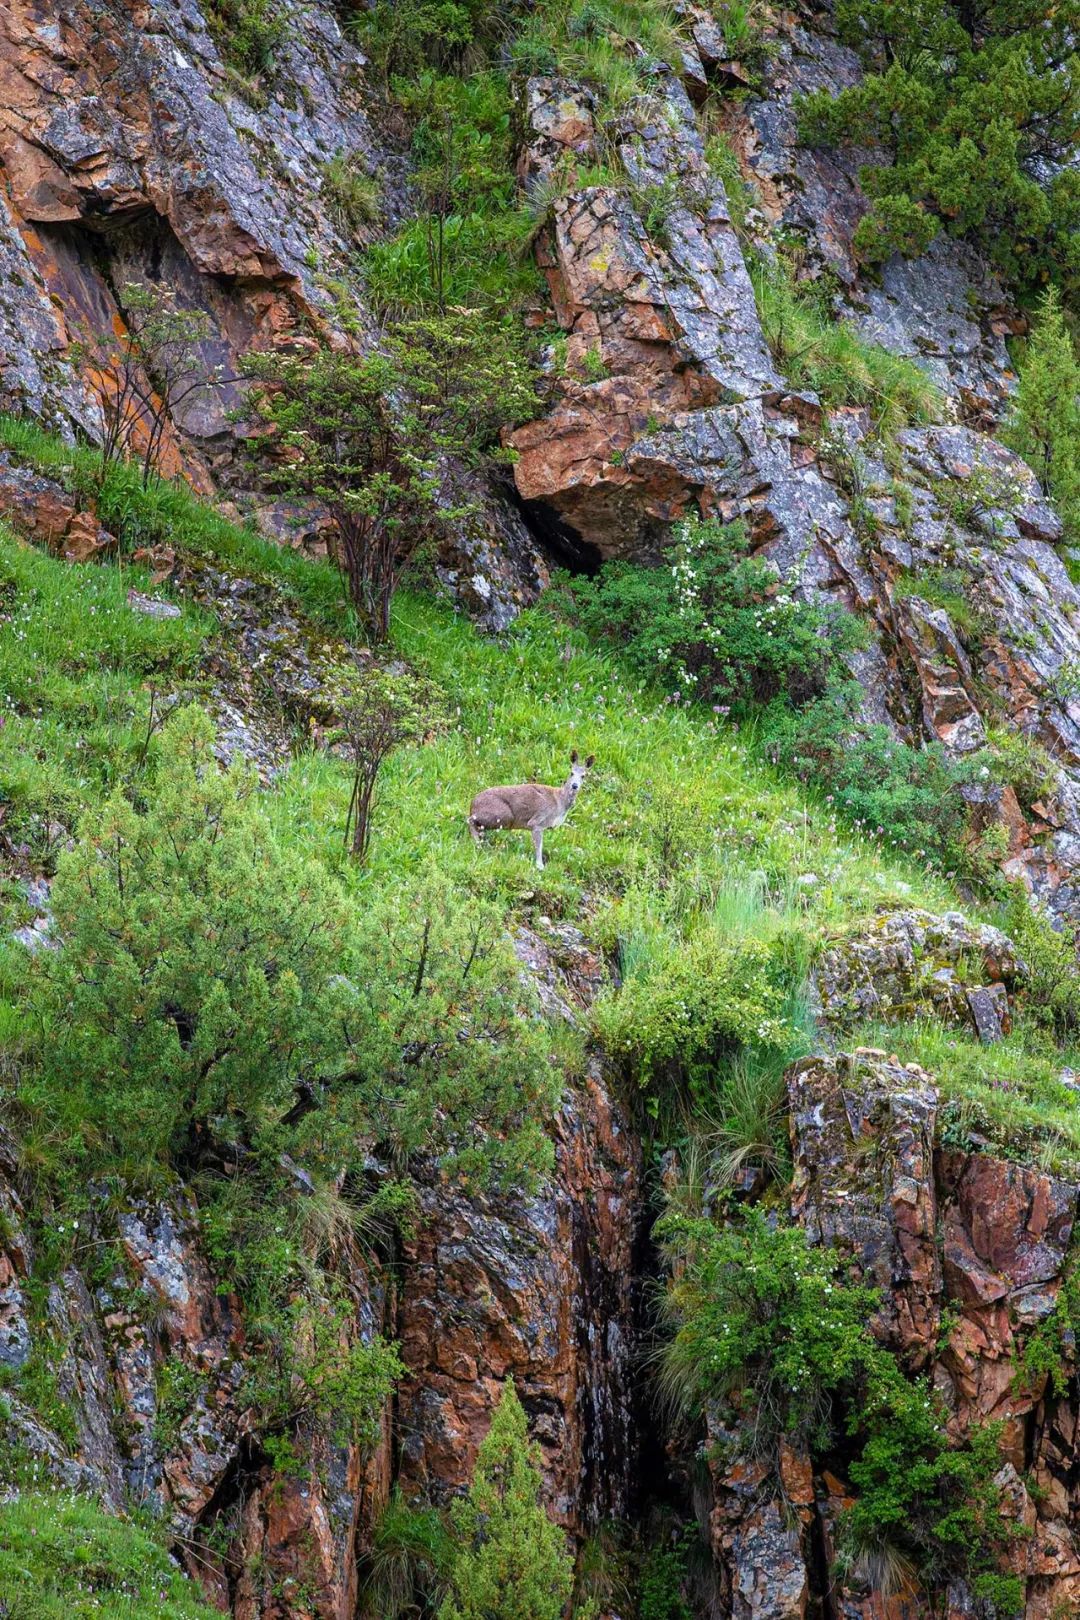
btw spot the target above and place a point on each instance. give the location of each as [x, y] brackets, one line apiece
[538, 846]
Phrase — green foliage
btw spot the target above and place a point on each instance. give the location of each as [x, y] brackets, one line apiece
[380, 713]
[889, 790]
[368, 435]
[1044, 425]
[63, 1558]
[1017, 759]
[511, 1562]
[444, 1043]
[662, 1588]
[411, 1550]
[249, 33]
[353, 197]
[76, 662]
[1049, 1355]
[609, 45]
[966, 101]
[468, 245]
[767, 1328]
[819, 352]
[713, 623]
[1053, 988]
[196, 976]
[406, 36]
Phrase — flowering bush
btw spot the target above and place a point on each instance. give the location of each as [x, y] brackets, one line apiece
[715, 624]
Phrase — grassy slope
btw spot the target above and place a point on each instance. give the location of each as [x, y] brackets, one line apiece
[62, 1558]
[742, 839]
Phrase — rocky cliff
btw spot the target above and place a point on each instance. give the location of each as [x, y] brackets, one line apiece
[131, 156]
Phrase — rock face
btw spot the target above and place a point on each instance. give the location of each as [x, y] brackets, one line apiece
[968, 1253]
[133, 155]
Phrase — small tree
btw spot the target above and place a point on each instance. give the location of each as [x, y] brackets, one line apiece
[512, 1562]
[146, 372]
[382, 712]
[370, 436]
[1044, 426]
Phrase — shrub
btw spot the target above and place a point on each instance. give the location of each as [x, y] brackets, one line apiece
[713, 622]
[196, 974]
[511, 1560]
[368, 436]
[405, 36]
[468, 245]
[905, 796]
[445, 1051]
[1044, 424]
[1052, 988]
[967, 102]
[767, 1328]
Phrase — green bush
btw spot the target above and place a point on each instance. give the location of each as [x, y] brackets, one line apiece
[469, 244]
[713, 623]
[511, 1561]
[1044, 424]
[411, 1550]
[766, 1327]
[197, 972]
[368, 436]
[1052, 988]
[905, 796]
[406, 36]
[966, 102]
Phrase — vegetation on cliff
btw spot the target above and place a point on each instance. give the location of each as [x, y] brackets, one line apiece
[976, 108]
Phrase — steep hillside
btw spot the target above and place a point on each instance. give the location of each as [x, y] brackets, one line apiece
[683, 1231]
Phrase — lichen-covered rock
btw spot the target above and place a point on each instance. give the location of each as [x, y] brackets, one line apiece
[913, 962]
[534, 1289]
[862, 1136]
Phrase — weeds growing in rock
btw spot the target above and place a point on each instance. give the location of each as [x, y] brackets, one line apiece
[771, 1336]
[819, 352]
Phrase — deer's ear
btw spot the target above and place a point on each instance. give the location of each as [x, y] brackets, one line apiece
[589, 762]
[573, 757]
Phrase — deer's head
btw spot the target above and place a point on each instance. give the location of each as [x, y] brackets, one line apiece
[578, 772]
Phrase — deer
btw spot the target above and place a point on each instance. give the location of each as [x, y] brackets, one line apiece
[529, 807]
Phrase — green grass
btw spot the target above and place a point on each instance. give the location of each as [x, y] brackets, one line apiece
[170, 514]
[63, 1558]
[820, 352]
[1007, 1099]
[77, 664]
[680, 835]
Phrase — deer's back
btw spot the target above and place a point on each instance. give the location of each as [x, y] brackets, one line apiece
[513, 806]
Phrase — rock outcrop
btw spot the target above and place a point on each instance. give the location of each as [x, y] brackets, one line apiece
[968, 1253]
